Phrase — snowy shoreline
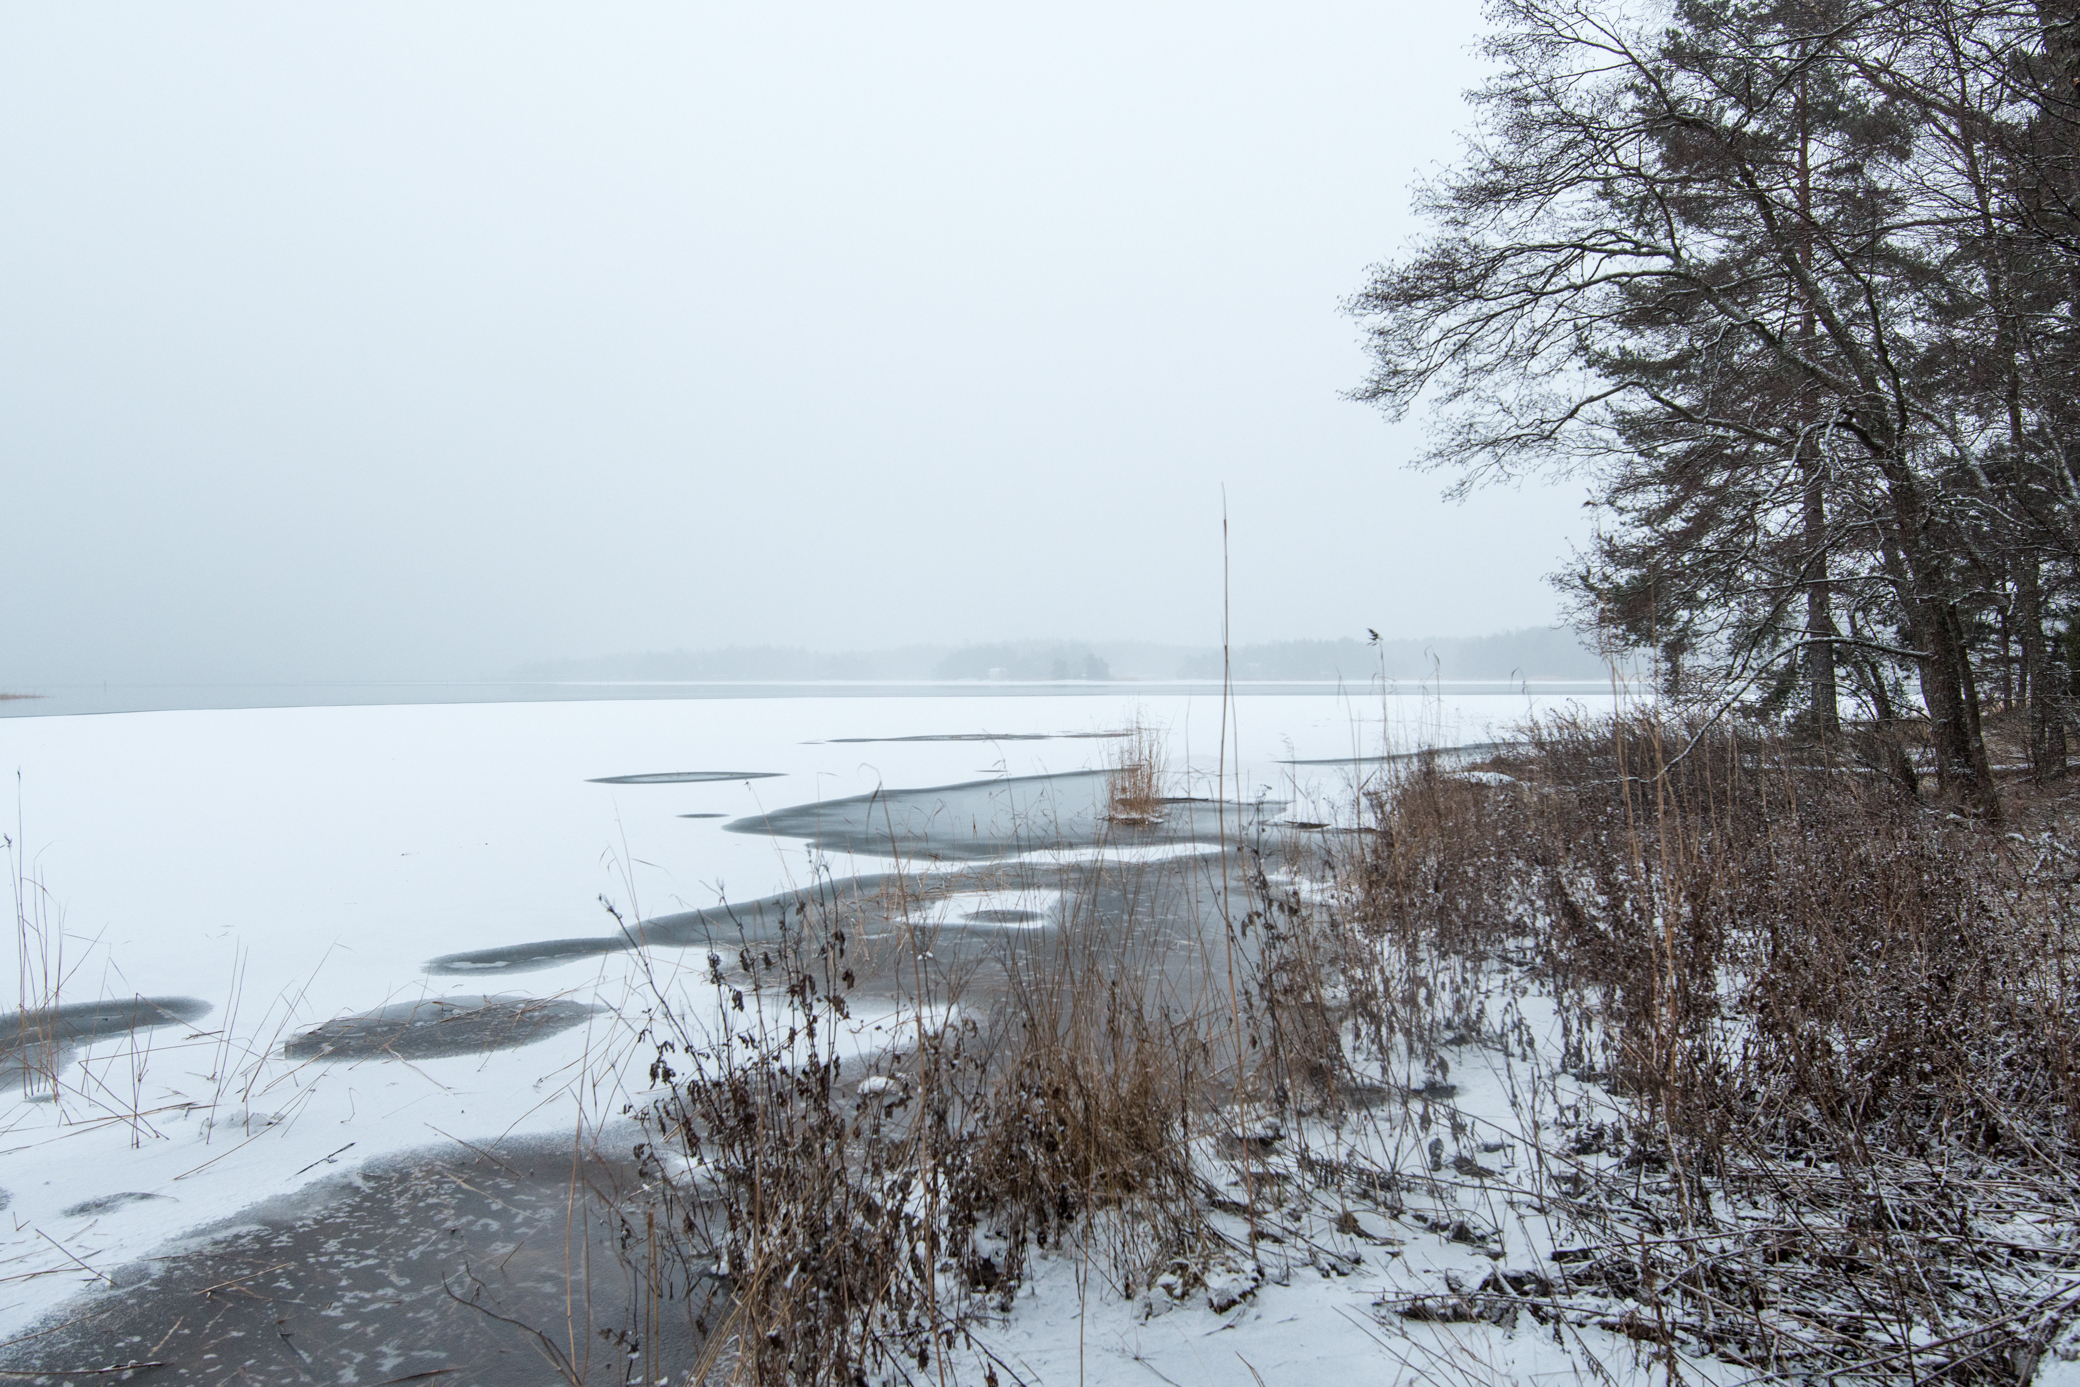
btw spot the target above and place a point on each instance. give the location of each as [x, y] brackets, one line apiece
[291, 867]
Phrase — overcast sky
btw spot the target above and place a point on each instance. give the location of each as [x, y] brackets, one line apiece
[383, 340]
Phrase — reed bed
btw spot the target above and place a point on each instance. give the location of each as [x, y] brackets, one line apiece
[1789, 1056]
[1817, 1040]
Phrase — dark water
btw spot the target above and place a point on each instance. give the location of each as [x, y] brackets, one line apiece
[758, 919]
[984, 819]
[76, 1023]
[451, 1267]
[876, 906]
[970, 828]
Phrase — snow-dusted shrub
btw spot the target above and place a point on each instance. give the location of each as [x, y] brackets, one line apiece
[1840, 1019]
[861, 1205]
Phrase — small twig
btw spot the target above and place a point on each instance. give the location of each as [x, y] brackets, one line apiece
[543, 1342]
[323, 1159]
[248, 1276]
[481, 1152]
[80, 1372]
[76, 1261]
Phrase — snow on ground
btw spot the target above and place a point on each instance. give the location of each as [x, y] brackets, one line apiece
[1317, 1324]
[1443, 1271]
[286, 867]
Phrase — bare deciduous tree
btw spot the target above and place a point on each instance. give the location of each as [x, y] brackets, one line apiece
[1794, 284]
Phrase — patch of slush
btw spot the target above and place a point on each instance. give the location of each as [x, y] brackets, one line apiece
[993, 915]
[437, 1026]
[524, 958]
[75, 1023]
[104, 1203]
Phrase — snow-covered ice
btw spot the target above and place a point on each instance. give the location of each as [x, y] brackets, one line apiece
[286, 868]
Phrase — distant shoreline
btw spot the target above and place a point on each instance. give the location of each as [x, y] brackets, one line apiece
[70, 700]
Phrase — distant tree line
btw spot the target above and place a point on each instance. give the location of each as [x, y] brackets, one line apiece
[1023, 660]
[1533, 653]
[1796, 287]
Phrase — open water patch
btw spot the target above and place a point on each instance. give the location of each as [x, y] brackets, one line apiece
[438, 1026]
[430, 1268]
[724, 924]
[524, 958]
[980, 820]
[107, 1202]
[873, 903]
[76, 1023]
[1022, 822]
[43, 1039]
[682, 777]
[1020, 895]
[1004, 915]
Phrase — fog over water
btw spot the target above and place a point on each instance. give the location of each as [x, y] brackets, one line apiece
[379, 341]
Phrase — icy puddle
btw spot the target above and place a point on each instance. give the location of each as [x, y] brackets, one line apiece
[36, 1046]
[436, 1027]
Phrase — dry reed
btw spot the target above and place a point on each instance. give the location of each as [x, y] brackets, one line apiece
[1836, 1025]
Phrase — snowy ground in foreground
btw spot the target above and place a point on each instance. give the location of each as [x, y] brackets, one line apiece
[289, 866]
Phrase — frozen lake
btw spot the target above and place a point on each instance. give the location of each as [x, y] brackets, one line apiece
[294, 888]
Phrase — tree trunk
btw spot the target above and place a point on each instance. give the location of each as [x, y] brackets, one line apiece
[2046, 723]
[1984, 795]
[1943, 697]
[1953, 708]
[1927, 594]
[1894, 750]
[1819, 653]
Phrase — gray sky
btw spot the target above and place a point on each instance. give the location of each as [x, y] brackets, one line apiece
[385, 340]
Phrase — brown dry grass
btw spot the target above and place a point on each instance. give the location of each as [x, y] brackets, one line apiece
[1816, 1069]
[1840, 1022]
[863, 1210]
[1137, 771]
